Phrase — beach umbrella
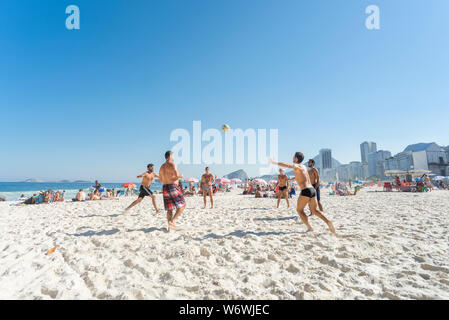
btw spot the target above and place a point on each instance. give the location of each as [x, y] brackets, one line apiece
[272, 182]
[439, 178]
[194, 180]
[129, 185]
[235, 180]
[259, 181]
[222, 181]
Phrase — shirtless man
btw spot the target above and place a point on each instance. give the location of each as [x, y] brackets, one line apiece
[207, 180]
[308, 194]
[147, 180]
[283, 184]
[173, 198]
[315, 180]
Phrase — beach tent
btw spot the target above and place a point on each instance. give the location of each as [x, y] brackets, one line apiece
[392, 173]
[419, 172]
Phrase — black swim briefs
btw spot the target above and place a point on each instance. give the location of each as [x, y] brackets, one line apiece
[282, 188]
[308, 192]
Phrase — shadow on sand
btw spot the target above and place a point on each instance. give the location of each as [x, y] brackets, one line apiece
[148, 230]
[92, 233]
[277, 219]
[241, 234]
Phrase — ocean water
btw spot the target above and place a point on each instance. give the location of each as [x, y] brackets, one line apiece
[13, 190]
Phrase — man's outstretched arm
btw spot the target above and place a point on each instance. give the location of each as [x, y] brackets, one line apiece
[282, 164]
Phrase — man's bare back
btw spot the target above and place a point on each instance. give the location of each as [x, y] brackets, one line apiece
[168, 173]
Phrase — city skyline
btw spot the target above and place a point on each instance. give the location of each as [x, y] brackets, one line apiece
[233, 168]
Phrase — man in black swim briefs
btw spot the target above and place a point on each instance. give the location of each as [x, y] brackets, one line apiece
[147, 180]
[308, 194]
[282, 184]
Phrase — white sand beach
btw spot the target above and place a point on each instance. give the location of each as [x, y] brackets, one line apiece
[390, 246]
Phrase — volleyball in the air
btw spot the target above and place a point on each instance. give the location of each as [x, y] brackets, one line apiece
[225, 128]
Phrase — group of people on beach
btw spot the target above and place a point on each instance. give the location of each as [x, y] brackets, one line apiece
[174, 201]
[48, 196]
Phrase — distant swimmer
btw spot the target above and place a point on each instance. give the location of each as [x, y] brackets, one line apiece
[308, 193]
[173, 198]
[207, 180]
[283, 187]
[315, 180]
[147, 180]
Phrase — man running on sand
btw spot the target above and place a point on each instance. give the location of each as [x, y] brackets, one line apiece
[308, 194]
[147, 180]
[315, 180]
[173, 198]
[283, 184]
[207, 180]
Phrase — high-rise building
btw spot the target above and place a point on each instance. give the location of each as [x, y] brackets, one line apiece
[366, 148]
[326, 158]
[374, 162]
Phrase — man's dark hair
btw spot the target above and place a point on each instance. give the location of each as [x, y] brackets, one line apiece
[206, 168]
[311, 160]
[299, 156]
[168, 154]
[150, 165]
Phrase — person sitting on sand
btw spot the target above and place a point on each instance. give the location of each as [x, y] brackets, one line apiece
[80, 196]
[308, 192]
[258, 192]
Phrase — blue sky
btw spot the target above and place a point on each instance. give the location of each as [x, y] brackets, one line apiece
[100, 102]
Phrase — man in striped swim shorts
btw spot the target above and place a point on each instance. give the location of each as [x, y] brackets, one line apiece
[173, 198]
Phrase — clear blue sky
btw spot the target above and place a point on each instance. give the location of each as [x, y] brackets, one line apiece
[100, 102]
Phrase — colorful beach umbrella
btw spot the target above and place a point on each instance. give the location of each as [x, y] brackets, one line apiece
[235, 180]
[259, 181]
[222, 181]
[129, 185]
[194, 180]
[272, 182]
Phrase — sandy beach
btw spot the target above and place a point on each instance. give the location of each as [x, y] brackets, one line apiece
[390, 246]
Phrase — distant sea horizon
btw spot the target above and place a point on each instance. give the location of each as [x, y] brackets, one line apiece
[13, 190]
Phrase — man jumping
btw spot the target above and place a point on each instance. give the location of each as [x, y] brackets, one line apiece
[147, 180]
[173, 198]
[308, 194]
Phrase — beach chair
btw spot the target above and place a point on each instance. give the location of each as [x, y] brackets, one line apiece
[388, 186]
